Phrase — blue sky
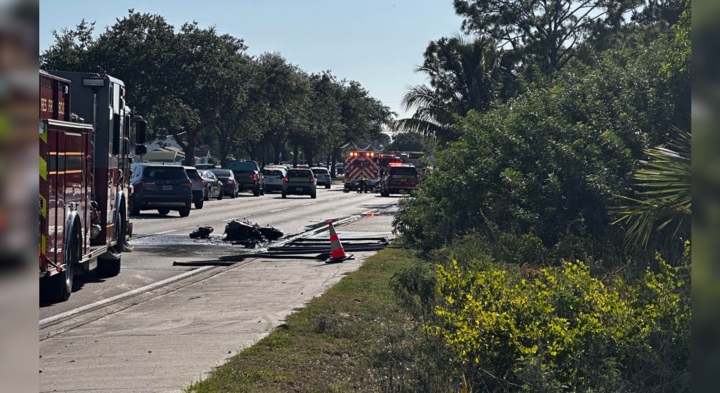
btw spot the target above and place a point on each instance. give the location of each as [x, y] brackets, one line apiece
[377, 43]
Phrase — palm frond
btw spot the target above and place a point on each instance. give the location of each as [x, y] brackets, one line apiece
[665, 196]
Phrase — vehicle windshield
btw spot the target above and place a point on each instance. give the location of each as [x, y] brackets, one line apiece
[403, 170]
[320, 171]
[299, 174]
[273, 173]
[223, 173]
[165, 173]
[193, 174]
[243, 166]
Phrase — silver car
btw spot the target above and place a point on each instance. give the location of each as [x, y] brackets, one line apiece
[323, 176]
[274, 178]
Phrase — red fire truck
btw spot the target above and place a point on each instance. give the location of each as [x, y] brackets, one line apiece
[84, 173]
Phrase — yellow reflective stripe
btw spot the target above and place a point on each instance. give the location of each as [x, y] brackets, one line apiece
[43, 169]
[42, 244]
[44, 206]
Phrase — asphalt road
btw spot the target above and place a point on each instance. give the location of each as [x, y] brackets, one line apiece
[160, 240]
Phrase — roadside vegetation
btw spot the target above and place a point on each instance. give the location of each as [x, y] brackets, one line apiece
[554, 229]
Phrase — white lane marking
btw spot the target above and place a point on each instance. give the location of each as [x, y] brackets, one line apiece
[67, 314]
[306, 204]
[164, 232]
[279, 210]
[230, 219]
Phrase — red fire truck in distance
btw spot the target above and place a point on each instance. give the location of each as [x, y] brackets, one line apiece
[84, 173]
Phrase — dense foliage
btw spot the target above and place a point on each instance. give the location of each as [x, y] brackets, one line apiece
[202, 87]
[562, 329]
[549, 163]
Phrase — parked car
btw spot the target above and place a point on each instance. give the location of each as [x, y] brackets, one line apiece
[213, 186]
[403, 177]
[300, 181]
[274, 178]
[161, 187]
[198, 186]
[249, 176]
[340, 169]
[303, 166]
[205, 166]
[323, 177]
[227, 178]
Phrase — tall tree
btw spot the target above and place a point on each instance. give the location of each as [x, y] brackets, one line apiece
[544, 33]
[464, 75]
[206, 79]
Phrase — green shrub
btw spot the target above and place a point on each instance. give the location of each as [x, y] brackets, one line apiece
[561, 327]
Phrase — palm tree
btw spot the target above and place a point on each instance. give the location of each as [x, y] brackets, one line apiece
[463, 75]
[666, 196]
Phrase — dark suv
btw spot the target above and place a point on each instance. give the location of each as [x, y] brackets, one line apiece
[249, 176]
[161, 187]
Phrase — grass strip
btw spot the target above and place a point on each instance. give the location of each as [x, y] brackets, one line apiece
[331, 345]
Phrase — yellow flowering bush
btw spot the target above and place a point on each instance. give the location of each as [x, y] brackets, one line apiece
[569, 323]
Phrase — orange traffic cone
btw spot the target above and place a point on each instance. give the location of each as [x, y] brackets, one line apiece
[337, 250]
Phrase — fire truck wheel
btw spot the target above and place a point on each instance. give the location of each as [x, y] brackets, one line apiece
[59, 286]
[185, 212]
[199, 204]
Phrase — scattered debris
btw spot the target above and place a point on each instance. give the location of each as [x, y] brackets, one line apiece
[201, 233]
[250, 235]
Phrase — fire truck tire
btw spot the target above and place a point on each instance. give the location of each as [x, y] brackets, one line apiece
[185, 212]
[163, 212]
[59, 286]
[199, 204]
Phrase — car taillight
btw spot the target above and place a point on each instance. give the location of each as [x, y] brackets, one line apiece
[144, 184]
[312, 180]
[255, 176]
[286, 179]
[202, 180]
[229, 181]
